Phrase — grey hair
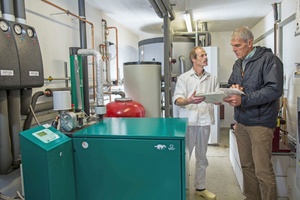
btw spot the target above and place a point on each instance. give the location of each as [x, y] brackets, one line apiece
[244, 33]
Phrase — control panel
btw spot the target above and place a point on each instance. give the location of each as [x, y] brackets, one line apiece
[46, 135]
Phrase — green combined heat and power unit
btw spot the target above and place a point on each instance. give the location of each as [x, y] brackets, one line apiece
[117, 158]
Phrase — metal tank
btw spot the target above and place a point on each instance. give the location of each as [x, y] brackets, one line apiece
[153, 50]
[124, 107]
[142, 82]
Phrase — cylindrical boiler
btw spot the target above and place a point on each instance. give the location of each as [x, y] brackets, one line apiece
[153, 50]
[124, 107]
[142, 82]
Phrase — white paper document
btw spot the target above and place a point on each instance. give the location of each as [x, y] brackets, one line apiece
[217, 97]
[229, 92]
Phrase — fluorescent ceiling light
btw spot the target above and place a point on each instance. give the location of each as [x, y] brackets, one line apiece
[187, 18]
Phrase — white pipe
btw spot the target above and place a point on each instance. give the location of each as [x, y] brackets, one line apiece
[99, 73]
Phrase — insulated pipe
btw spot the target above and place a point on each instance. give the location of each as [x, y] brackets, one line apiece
[29, 117]
[99, 71]
[14, 109]
[5, 145]
[19, 7]
[170, 9]
[182, 64]
[25, 100]
[8, 10]
[156, 8]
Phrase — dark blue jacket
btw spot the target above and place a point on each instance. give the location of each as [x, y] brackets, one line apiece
[263, 85]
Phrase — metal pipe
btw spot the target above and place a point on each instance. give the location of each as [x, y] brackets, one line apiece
[56, 79]
[122, 94]
[196, 34]
[35, 118]
[117, 56]
[5, 145]
[105, 55]
[8, 10]
[19, 7]
[170, 9]
[81, 6]
[167, 66]
[156, 9]
[99, 71]
[190, 33]
[162, 7]
[14, 109]
[1, 9]
[28, 119]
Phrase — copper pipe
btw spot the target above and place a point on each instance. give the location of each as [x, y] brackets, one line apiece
[117, 57]
[69, 13]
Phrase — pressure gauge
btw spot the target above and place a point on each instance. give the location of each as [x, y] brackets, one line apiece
[30, 32]
[68, 121]
[18, 29]
[4, 26]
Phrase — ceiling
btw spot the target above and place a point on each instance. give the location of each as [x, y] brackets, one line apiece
[221, 15]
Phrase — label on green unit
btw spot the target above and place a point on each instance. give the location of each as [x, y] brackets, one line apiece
[46, 135]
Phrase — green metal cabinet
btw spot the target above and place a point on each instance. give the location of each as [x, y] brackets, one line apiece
[47, 160]
[131, 159]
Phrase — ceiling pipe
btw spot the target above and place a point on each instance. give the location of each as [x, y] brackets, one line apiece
[83, 45]
[190, 33]
[156, 8]
[8, 10]
[19, 8]
[162, 7]
[170, 9]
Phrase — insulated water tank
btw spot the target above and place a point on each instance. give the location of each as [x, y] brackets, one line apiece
[142, 82]
[124, 107]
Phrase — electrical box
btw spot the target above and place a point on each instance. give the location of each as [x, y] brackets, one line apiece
[9, 62]
[47, 160]
[131, 159]
[30, 57]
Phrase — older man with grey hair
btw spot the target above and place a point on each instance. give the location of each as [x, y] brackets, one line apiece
[259, 74]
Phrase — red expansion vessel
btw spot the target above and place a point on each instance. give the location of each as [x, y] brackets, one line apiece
[124, 107]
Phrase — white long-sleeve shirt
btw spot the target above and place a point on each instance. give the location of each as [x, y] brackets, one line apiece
[198, 114]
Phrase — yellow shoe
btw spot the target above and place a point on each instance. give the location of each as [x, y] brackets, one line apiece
[206, 194]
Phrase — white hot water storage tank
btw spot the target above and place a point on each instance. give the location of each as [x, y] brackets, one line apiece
[142, 83]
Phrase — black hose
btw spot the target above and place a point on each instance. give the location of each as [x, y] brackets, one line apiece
[29, 117]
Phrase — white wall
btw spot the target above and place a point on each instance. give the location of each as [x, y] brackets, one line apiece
[226, 61]
[291, 49]
[56, 33]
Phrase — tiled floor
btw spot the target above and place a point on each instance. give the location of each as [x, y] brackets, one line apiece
[220, 178]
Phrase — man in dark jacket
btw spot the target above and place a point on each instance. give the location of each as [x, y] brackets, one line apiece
[259, 74]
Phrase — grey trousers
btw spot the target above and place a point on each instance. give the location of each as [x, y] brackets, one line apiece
[255, 147]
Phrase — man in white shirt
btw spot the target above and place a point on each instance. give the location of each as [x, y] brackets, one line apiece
[199, 113]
